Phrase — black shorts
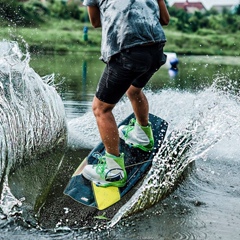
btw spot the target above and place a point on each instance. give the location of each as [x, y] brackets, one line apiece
[133, 66]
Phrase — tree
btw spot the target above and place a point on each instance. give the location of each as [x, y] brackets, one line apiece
[19, 13]
[9, 11]
[238, 9]
[166, 2]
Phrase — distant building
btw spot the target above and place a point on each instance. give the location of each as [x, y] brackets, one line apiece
[221, 8]
[190, 7]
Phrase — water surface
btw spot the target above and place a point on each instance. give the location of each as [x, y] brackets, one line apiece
[206, 204]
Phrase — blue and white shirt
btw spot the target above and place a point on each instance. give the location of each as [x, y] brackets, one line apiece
[127, 23]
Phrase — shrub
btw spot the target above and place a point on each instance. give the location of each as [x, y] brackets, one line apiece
[25, 14]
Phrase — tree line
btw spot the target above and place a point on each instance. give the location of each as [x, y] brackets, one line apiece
[34, 12]
[226, 21]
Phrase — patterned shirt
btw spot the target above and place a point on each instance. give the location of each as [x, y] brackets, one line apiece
[127, 23]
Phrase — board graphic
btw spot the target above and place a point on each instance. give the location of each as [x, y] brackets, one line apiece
[137, 163]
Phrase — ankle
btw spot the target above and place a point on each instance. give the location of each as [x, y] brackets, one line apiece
[112, 154]
[142, 124]
[107, 154]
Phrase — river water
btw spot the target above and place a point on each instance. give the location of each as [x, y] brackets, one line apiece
[205, 205]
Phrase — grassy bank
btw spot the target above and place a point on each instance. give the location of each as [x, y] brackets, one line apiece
[64, 36]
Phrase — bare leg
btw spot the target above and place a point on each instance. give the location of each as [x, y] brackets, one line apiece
[139, 103]
[107, 125]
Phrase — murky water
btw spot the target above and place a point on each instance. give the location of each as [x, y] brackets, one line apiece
[206, 205]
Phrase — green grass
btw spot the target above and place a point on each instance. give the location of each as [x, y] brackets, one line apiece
[62, 36]
[195, 44]
[55, 37]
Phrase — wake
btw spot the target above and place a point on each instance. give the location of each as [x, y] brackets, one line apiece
[32, 121]
[198, 122]
[32, 115]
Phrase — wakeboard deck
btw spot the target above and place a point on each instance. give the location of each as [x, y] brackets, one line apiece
[137, 163]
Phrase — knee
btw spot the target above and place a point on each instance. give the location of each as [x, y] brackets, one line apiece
[97, 109]
[134, 93]
[100, 108]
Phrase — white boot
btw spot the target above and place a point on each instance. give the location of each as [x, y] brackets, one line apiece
[137, 136]
[110, 171]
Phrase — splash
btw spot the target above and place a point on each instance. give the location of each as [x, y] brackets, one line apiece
[213, 117]
[200, 123]
[32, 116]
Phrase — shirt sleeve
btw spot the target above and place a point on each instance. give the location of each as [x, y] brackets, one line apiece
[90, 2]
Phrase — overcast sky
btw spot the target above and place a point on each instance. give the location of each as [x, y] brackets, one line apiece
[208, 3]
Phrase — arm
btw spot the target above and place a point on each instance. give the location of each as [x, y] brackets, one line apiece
[164, 15]
[94, 16]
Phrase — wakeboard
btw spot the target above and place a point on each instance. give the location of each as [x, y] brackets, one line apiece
[137, 163]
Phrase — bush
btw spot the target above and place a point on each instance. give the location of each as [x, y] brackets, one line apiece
[63, 10]
[10, 12]
[23, 14]
[186, 22]
[33, 12]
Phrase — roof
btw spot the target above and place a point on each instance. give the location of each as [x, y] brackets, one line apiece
[190, 6]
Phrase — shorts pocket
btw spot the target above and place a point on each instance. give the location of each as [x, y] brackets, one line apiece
[135, 61]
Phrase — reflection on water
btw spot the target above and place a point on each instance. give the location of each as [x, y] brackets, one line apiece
[75, 108]
[78, 75]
